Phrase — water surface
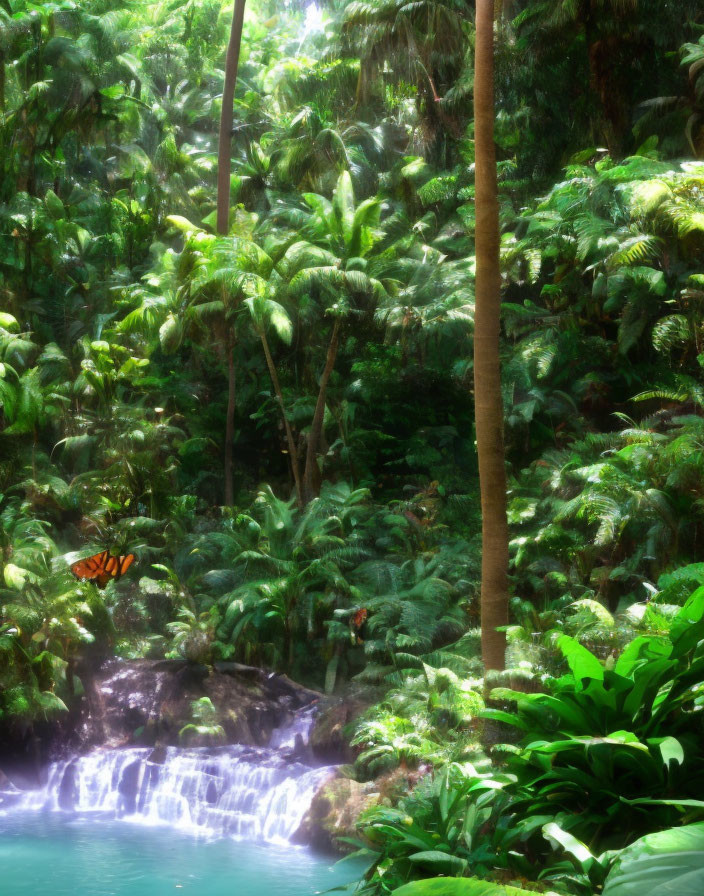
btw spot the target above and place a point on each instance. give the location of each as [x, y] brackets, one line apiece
[72, 856]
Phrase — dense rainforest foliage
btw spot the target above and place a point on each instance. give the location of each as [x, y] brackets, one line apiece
[316, 364]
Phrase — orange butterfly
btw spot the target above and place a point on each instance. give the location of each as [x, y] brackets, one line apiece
[359, 618]
[102, 567]
[356, 625]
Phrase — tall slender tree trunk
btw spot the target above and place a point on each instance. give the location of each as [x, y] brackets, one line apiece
[230, 425]
[293, 455]
[605, 84]
[487, 368]
[311, 479]
[27, 267]
[2, 82]
[228, 96]
[223, 214]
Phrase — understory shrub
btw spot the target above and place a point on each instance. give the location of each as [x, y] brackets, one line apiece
[607, 753]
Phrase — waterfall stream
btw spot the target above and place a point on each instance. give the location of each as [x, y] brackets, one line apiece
[251, 793]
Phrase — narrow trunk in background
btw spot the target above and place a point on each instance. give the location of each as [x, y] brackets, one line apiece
[223, 213]
[311, 477]
[230, 426]
[228, 98]
[293, 455]
[487, 368]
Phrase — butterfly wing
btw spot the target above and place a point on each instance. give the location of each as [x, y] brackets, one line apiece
[360, 617]
[90, 567]
[102, 567]
[357, 624]
[109, 571]
[124, 564]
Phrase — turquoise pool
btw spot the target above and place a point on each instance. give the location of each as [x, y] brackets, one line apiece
[71, 856]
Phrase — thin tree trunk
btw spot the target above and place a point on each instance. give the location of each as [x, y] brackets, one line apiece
[223, 213]
[311, 482]
[27, 268]
[287, 426]
[228, 96]
[360, 96]
[230, 425]
[487, 368]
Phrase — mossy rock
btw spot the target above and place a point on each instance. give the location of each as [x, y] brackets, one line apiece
[334, 812]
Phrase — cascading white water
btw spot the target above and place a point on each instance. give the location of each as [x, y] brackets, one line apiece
[286, 736]
[235, 791]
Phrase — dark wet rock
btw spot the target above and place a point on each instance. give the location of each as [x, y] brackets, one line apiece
[25, 748]
[239, 669]
[149, 702]
[332, 730]
[127, 787]
[298, 752]
[158, 755]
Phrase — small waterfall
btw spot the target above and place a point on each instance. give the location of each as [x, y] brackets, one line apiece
[234, 791]
[296, 733]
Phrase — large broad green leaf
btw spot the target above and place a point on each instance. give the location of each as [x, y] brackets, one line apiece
[320, 205]
[442, 886]
[343, 204]
[594, 609]
[49, 702]
[670, 749]
[570, 844]
[54, 205]
[641, 650]
[687, 629]
[280, 321]
[16, 577]
[171, 333]
[266, 312]
[498, 715]
[8, 322]
[366, 217]
[182, 224]
[582, 662]
[693, 804]
[441, 861]
[668, 863]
